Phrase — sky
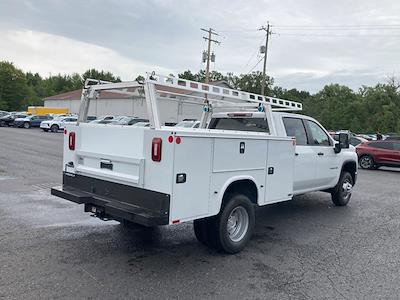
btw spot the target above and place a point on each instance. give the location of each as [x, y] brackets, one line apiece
[314, 43]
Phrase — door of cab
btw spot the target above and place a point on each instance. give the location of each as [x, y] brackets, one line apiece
[326, 160]
[304, 161]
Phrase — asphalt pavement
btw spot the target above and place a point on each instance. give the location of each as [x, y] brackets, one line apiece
[302, 249]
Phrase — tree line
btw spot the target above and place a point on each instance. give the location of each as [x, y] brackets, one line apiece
[369, 109]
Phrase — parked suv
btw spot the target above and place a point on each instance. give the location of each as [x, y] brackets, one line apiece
[374, 154]
[57, 124]
[30, 121]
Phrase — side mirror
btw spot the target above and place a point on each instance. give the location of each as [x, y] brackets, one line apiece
[338, 147]
[344, 140]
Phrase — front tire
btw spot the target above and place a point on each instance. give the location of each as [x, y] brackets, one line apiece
[54, 128]
[27, 125]
[342, 192]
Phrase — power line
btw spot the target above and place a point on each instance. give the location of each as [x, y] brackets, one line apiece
[254, 54]
[338, 29]
[337, 35]
[251, 70]
[239, 30]
[336, 26]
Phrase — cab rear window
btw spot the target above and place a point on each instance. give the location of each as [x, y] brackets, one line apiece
[240, 124]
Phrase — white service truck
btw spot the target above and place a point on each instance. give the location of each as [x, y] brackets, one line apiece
[253, 153]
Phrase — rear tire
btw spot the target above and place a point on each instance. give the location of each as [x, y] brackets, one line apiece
[232, 228]
[54, 128]
[27, 125]
[342, 192]
[367, 162]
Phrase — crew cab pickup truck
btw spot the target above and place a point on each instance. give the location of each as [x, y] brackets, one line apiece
[250, 155]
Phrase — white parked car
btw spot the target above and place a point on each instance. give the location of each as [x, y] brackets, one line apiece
[57, 124]
[215, 176]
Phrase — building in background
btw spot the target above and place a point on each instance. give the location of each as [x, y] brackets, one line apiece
[108, 103]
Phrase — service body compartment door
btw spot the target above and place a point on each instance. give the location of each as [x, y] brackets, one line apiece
[191, 179]
[280, 169]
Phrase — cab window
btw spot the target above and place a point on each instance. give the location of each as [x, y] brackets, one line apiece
[240, 124]
[318, 135]
[295, 127]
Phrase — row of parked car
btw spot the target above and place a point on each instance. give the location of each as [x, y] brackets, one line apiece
[374, 152]
[55, 123]
[23, 120]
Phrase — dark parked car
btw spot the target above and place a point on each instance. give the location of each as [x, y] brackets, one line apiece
[392, 136]
[374, 154]
[31, 121]
[8, 120]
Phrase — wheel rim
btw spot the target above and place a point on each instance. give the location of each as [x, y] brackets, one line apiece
[238, 224]
[26, 125]
[366, 162]
[347, 188]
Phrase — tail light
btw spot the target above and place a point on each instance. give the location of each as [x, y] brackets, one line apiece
[156, 149]
[71, 140]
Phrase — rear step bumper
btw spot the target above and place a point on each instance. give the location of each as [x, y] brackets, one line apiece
[110, 200]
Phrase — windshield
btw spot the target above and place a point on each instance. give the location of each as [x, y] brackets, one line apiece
[240, 124]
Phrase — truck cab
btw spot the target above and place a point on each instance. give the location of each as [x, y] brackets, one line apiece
[317, 164]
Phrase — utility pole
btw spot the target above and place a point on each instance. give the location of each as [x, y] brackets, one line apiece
[268, 33]
[208, 56]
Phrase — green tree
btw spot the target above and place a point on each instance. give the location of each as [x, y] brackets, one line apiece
[201, 76]
[14, 90]
[140, 78]
[252, 83]
[101, 75]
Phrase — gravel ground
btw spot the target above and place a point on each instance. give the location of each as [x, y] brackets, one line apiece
[302, 249]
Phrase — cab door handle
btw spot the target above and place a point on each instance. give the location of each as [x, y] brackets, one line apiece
[320, 153]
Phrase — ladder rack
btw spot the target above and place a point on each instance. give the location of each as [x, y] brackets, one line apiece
[225, 94]
[207, 95]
